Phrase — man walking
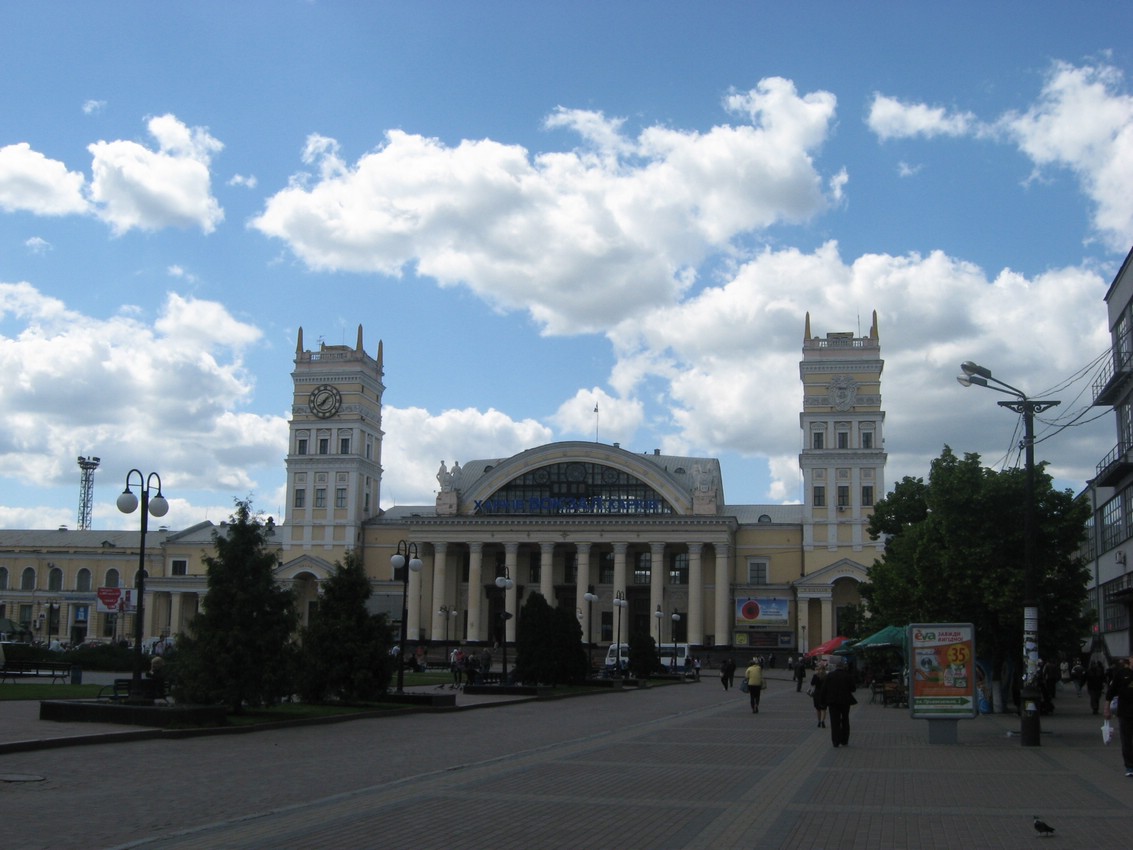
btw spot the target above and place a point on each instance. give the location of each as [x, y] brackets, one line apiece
[754, 677]
[800, 674]
[838, 694]
[1121, 687]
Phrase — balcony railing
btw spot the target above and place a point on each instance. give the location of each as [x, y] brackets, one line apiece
[1111, 381]
[1114, 466]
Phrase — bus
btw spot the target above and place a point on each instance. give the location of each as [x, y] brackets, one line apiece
[670, 652]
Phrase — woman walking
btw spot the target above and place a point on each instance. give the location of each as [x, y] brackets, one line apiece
[754, 677]
[816, 683]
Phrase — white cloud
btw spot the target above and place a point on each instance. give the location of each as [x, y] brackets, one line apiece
[889, 118]
[248, 182]
[580, 239]
[30, 182]
[729, 356]
[136, 187]
[590, 411]
[37, 245]
[93, 107]
[1083, 122]
[131, 391]
[417, 441]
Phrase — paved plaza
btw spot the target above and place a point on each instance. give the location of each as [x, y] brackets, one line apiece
[681, 766]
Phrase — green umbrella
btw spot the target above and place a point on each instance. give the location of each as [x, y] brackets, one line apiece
[890, 636]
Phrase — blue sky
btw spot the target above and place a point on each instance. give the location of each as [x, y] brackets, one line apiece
[539, 208]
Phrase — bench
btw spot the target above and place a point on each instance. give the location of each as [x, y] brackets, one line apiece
[121, 690]
[56, 671]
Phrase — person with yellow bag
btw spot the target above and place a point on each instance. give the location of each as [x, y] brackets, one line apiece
[753, 678]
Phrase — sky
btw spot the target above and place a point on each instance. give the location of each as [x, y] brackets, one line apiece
[540, 209]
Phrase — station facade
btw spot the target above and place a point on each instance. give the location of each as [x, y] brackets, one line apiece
[582, 523]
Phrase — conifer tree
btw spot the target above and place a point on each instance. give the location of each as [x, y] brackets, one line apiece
[239, 650]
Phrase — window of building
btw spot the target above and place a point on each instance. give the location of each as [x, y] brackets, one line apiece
[867, 495]
[570, 568]
[55, 580]
[366, 502]
[534, 567]
[27, 579]
[843, 439]
[642, 568]
[25, 615]
[819, 496]
[320, 497]
[3, 578]
[606, 568]
[678, 569]
[300, 497]
[757, 571]
[816, 440]
[301, 446]
[369, 449]
[843, 496]
[179, 567]
[867, 439]
[1111, 523]
[340, 497]
[344, 445]
[607, 627]
[324, 446]
[112, 578]
[82, 581]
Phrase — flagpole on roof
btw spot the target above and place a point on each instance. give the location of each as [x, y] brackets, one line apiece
[595, 421]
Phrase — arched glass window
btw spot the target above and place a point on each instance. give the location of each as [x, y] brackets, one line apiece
[55, 579]
[575, 488]
[82, 581]
[112, 578]
[27, 580]
[3, 578]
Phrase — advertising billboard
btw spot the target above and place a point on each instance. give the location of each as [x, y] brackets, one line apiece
[942, 670]
[762, 611]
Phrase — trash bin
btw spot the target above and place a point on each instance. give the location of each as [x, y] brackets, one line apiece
[76, 674]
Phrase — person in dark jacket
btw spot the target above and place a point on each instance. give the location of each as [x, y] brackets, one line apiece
[1095, 684]
[838, 696]
[1121, 689]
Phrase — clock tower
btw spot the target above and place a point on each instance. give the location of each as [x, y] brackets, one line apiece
[334, 455]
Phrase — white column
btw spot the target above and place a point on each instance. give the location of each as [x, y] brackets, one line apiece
[724, 615]
[827, 619]
[695, 613]
[440, 591]
[656, 580]
[510, 551]
[581, 584]
[547, 572]
[475, 590]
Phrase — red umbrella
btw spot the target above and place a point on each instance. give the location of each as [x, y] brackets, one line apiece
[827, 648]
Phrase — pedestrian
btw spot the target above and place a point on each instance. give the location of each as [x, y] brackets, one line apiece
[1121, 689]
[754, 677]
[1047, 686]
[727, 671]
[800, 675]
[838, 696]
[456, 664]
[1095, 684]
[816, 683]
[696, 667]
[1078, 676]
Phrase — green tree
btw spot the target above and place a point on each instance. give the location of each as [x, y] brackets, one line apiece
[239, 649]
[344, 652]
[954, 552]
[549, 648]
[643, 658]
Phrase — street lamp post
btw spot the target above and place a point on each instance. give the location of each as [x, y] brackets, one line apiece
[660, 615]
[504, 583]
[157, 507]
[673, 631]
[447, 612]
[405, 556]
[1030, 724]
[591, 597]
[620, 603]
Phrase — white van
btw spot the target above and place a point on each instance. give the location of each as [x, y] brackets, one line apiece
[669, 651]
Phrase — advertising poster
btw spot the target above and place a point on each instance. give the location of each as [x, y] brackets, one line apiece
[114, 600]
[762, 611]
[942, 670]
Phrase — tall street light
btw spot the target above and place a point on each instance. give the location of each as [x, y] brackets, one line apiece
[673, 631]
[1030, 725]
[620, 603]
[591, 597]
[405, 556]
[660, 615]
[504, 583]
[447, 612]
[157, 507]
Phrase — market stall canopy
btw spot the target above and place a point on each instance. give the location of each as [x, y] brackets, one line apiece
[827, 648]
[890, 636]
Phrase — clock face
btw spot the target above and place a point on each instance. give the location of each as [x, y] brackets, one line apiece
[324, 401]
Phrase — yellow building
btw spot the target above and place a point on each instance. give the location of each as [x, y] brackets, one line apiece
[582, 523]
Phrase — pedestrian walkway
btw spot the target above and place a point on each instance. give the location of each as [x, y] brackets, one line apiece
[684, 766]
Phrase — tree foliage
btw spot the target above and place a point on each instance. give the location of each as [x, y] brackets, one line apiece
[643, 658]
[239, 649]
[549, 648]
[954, 552]
[344, 652]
